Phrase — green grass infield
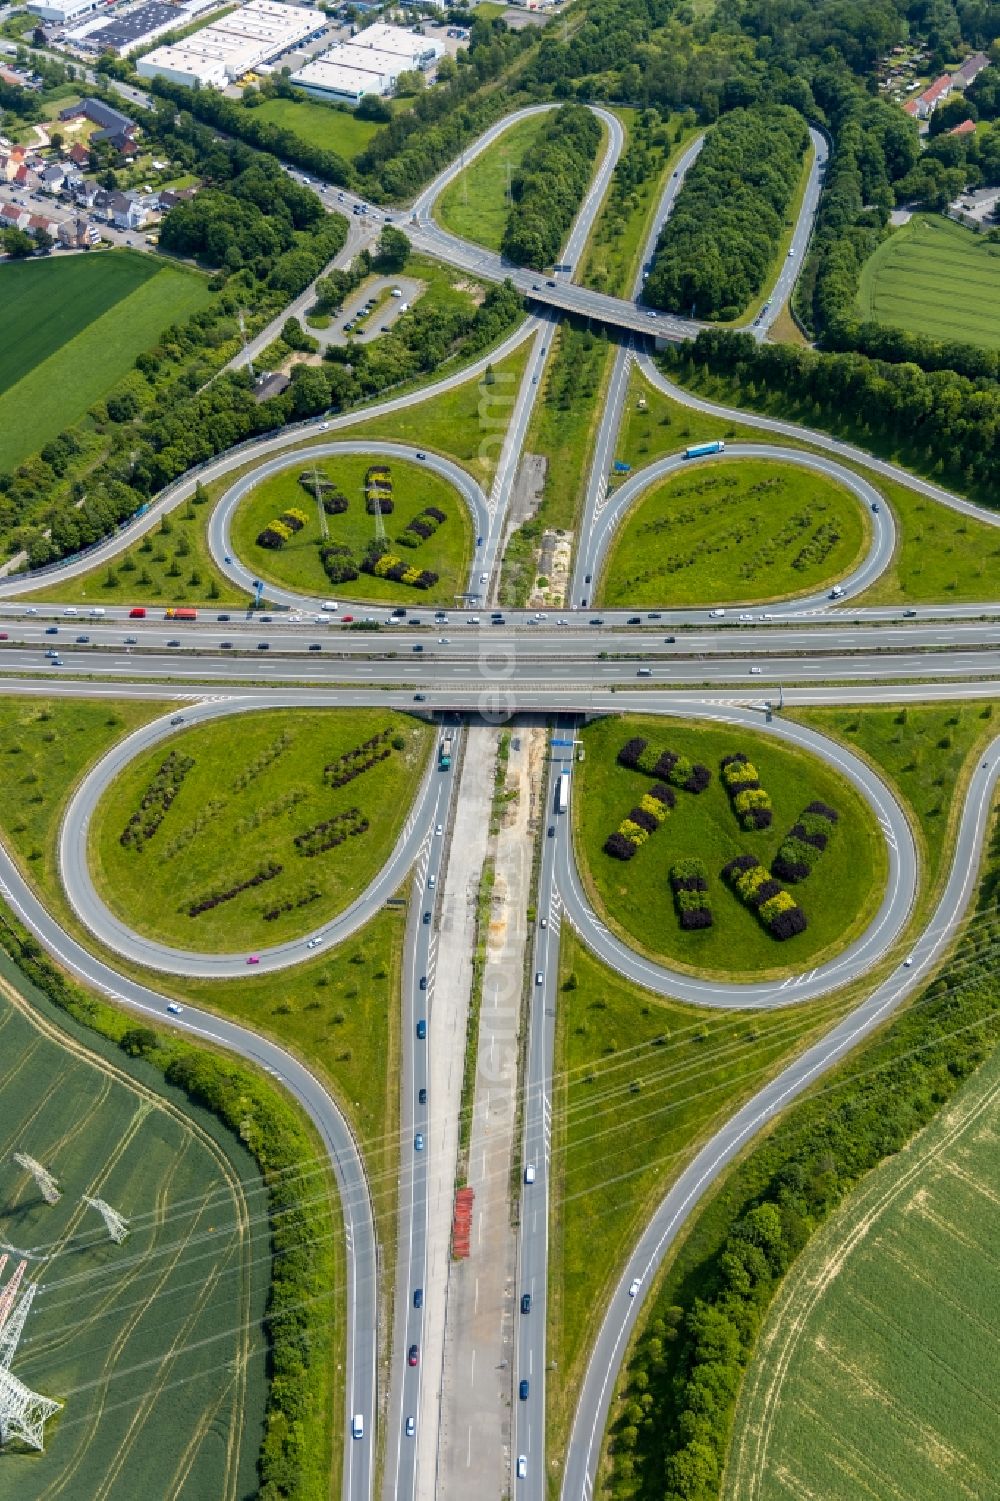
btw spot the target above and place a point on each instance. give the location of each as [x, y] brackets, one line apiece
[475, 204]
[937, 278]
[635, 898]
[739, 531]
[240, 791]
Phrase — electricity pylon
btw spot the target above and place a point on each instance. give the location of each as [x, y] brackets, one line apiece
[46, 1184]
[116, 1226]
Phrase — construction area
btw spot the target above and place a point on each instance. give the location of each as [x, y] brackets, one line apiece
[134, 1265]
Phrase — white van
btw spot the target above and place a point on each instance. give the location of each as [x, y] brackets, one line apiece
[358, 1425]
[97, 612]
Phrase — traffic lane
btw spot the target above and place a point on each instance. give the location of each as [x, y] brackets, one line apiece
[676, 1208]
[291, 1073]
[117, 935]
[853, 961]
[879, 515]
[791, 268]
[510, 673]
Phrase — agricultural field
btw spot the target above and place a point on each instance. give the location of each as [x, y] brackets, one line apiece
[154, 1347]
[475, 204]
[319, 124]
[935, 277]
[72, 329]
[735, 531]
[877, 1368]
[246, 833]
[650, 889]
[298, 562]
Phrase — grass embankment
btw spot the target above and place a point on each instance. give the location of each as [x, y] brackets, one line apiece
[634, 897]
[298, 565]
[467, 423]
[261, 800]
[738, 531]
[874, 1369]
[563, 431]
[641, 1082]
[475, 204]
[321, 125]
[72, 328]
[611, 259]
[936, 278]
[940, 554]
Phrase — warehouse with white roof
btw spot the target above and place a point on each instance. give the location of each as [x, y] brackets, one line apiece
[249, 38]
[370, 63]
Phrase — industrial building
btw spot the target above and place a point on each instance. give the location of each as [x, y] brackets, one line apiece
[60, 11]
[123, 33]
[249, 38]
[370, 63]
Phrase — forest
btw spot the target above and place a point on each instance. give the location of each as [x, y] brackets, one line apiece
[549, 187]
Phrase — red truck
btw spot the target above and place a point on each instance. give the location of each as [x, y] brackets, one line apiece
[138, 613]
[180, 614]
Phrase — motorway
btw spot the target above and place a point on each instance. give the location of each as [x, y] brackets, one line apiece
[534, 663]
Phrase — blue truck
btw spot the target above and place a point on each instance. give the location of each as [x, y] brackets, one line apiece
[700, 450]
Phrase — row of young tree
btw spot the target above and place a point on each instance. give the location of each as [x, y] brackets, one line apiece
[720, 241]
[549, 186]
[945, 424]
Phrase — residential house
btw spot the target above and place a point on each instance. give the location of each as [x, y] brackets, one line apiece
[85, 192]
[78, 234]
[12, 161]
[170, 197]
[928, 101]
[126, 211]
[912, 108]
[43, 224]
[967, 127]
[52, 177]
[79, 155]
[969, 71]
[13, 217]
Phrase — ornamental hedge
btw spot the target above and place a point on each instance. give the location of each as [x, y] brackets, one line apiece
[777, 910]
[644, 819]
[277, 532]
[156, 800]
[749, 801]
[423, 526]
[804, 843]
[338, 563]
[388, 565]
[666, 765]
[331, 832]
[211, 899]
[689, 883]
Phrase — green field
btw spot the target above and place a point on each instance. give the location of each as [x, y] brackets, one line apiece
[634, 897]
[739, 531]
[876, 1371]
[937, 278]
[320, 124]
[257, 783]
[297, 565]
[154, 1347]
[72, 329]
[475, 204]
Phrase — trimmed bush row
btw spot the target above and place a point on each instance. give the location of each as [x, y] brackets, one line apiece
[354, 763]
[265, 758]
[778, 911]
[667, 765]
[331, 832]
[422, 527]
[804, 842]
[335, 504]
[296, 899]
[390, 566]
[689, 883]
[378, 490]
[749, 801]
[273, 809]
[216, 898]
[277, 532]
[338, 563]
[156, 801]
[180, 842]
[643, 820]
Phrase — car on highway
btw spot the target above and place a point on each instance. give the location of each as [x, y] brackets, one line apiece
[330, 605]
[908, 961]
[31, 610]
[51, 630]
[228, 559]
[717, 614]
[421, 1030]
[522, 1467]
[177, 719]
[421, 455]
[525, 1302]
[83, 640]
[634, 1286]
[539, 977]
[427, 918]
[55, 661]
[875, 506]
[418, 1297]
[418, 698]
[347, 619]
[909, 614]
[745, 616]
[440, 829]
[358, 1426]
[411, 1426]
[755, 671]
[444, 641]
[423, 982]
[529, 1172]
[522, 1391]
[131, 640]
[223, 619]
[418, 1142]
[174, 641]
[543, 922]
[174, 1009]
[644, 672]
[421, 1096]
[413, 1355]
[225, 646]
[70, 610]
[633, 620]
[315, 646]
[263, 646]
[253, 958]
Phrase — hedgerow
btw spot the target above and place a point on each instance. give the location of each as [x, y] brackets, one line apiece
[666, 765]
[208, 901]
[354, 763]
[156, 800]
[643, 820]
[804, 843]
[749, 801]
[331, 832]
[778, 911]
[689, 883]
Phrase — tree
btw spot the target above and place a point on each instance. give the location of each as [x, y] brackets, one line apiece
[56, 140]
[392, 251]
[16, 243]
